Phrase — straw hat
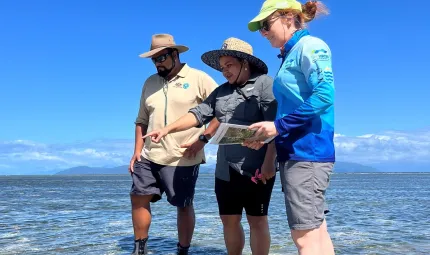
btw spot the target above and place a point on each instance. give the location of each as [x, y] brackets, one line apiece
[235, 48]
[160, 42]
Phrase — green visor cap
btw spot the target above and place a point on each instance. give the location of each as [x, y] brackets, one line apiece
[269, 7]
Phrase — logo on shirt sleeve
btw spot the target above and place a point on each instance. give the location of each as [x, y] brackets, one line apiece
[319, 51]
[325, 74]
[186, 85]
[320, 55]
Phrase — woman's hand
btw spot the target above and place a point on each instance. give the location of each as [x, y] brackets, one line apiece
[255, 145]
[264, 128]
[156, 135]
[268, 171]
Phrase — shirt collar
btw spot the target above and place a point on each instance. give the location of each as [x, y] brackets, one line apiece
[293, 40]
[184, 71]
[254, 77]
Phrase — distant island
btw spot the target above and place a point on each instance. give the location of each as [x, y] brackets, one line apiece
[340, 167]
[349, 167]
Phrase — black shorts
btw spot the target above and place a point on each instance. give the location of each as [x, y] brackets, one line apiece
[178, 182]
[240, 192]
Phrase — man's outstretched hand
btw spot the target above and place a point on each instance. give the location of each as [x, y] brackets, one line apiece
[156, 135]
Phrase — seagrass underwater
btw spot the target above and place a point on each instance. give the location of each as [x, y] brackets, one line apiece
[62, 215]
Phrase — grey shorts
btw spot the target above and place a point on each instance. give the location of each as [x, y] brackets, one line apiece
[178, 182]
[304, 184]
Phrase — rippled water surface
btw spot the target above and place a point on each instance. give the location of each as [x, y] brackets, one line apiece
[370, 214]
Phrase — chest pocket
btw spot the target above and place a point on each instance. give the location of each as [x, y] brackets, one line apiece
[248, 105]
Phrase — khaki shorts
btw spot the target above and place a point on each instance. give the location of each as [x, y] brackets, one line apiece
[304, 184]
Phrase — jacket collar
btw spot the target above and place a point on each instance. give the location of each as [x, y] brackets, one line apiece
[293, 40]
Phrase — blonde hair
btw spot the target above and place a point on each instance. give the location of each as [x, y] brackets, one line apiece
[310, 11]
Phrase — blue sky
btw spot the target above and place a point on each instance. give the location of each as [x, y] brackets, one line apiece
[70, 72]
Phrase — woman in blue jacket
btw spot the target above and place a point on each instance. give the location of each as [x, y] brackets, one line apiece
[304, 125]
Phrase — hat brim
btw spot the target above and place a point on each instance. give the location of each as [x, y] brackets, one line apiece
[180, 48]
[211, 58]
[254, 24]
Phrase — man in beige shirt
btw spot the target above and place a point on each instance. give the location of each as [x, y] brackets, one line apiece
[161, 167]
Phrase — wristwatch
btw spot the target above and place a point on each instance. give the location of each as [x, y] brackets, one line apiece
[203, 138]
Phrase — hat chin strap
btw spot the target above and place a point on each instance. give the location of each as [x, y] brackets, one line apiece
[241, 66]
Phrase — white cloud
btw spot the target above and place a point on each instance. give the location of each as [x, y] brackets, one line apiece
[386, 146]
[32, 157]
[211, 153]
[93, 153]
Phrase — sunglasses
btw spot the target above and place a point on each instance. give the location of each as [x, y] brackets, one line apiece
[267, 24]
[161, 58]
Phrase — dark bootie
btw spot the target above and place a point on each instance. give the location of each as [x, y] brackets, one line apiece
[140, 247]
[182, 250]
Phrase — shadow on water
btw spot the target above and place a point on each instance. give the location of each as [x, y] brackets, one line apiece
[166, 245]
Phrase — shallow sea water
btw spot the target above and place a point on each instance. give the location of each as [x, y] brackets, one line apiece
[370, 214]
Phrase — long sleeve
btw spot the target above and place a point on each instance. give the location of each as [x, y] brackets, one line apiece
[316, 66]
[268, 102]
[205, 111]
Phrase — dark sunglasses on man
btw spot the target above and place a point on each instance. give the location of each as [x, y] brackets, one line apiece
[162, 58]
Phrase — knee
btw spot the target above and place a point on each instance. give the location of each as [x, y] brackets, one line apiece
[305, 238]
[139, 201]
[231, 220]
[258, 222]
[186, 209]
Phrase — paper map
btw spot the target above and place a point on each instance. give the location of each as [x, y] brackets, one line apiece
[234, 134]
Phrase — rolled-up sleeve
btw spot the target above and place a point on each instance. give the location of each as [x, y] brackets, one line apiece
[268, 103]
[205, 111]
[143, 114]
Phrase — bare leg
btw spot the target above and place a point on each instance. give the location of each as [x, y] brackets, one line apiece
[186, 221]
[234, 236]
[326, 243]
[307, 241]
[316, 241]
[260, 234]
[141, 215]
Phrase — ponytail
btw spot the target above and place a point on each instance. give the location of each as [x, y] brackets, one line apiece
[312, 9]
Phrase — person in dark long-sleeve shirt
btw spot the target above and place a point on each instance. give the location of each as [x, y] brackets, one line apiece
[245, 99]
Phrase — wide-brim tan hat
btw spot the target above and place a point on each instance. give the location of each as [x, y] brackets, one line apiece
[160, 42]
[235, 48]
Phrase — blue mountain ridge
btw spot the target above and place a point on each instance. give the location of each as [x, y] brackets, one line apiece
[340, 167]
